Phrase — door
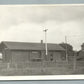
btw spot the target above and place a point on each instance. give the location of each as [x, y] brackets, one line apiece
[51, 56]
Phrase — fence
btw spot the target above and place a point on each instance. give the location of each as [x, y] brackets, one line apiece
[32, 64]
[35, 68]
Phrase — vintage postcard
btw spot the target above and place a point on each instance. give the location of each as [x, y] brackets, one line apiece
[41, 42]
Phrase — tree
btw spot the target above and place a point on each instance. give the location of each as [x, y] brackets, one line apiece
[69, 48]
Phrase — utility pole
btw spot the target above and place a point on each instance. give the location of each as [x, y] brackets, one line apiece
[46, 49]
[66, 49]
[74, 66]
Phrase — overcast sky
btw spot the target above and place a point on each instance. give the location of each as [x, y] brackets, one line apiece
[26, 23]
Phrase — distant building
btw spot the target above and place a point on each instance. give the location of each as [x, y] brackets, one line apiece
[14, 52]
[69, 48]
[81, 53]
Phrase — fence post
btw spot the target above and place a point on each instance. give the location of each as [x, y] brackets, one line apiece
[8, 65]
[16, 66]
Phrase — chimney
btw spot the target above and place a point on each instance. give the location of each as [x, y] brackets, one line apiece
[41, 41]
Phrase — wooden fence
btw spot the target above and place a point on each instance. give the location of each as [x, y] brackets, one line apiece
[34, 68]
[32, 64]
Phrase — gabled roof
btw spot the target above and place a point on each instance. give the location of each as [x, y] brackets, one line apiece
[31, 46]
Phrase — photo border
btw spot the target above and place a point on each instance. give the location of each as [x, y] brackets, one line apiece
[45, 77]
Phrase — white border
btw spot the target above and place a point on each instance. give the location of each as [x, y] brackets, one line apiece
[43, 5]
[44, 77]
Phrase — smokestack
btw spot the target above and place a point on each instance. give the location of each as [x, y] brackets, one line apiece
[41, 41]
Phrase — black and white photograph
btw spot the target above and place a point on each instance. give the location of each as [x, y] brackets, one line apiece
[39, 40]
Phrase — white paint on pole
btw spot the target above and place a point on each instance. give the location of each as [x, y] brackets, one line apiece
[46, 49]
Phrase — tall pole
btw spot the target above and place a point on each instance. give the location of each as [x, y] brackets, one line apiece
[66, 48]
[74, 66]
[46, 49]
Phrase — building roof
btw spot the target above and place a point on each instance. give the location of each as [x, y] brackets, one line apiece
[31, 46]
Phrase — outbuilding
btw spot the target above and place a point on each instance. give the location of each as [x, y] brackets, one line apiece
[14, 52]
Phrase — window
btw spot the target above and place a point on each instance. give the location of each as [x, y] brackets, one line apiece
[35, 56]
[35, 52]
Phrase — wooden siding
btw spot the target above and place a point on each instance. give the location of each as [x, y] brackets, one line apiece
[25, 56]
[19, 56]
[35, 55]
[6, 55]
[56, 56]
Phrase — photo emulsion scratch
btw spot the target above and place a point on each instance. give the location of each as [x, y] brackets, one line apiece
[41, 40]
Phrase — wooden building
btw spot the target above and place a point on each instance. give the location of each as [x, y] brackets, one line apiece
[13, 52]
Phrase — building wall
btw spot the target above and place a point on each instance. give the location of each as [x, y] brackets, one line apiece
[6, 55]
[56, 56]
[81, 56]
[26, 56]
[20, 56]
[82, 46]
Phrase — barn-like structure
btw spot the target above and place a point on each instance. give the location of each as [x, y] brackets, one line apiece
[14, 52]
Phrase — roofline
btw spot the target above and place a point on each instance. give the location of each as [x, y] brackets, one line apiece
[35, 50]
[27, 42]
[4, 42]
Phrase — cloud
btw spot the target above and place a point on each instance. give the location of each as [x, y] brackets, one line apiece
[23, 32]
[13, 15]
[26, 23]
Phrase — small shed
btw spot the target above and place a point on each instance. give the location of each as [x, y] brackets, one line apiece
[26, 52]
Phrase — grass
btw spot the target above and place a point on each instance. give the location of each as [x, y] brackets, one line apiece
[49, 69]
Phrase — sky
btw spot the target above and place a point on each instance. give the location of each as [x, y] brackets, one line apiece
[25, 23]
